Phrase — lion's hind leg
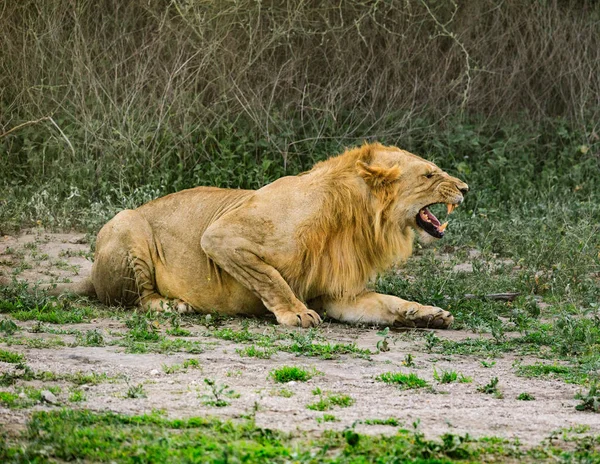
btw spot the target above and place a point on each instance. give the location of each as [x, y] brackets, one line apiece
[124, 265]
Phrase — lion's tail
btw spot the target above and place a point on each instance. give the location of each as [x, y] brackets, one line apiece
[84, 287]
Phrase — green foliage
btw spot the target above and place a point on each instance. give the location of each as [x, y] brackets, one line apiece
[77, 396]
[491, 388]
[525, 397]
[136, 391]
[10, 357]
[26, 303]
[91, 338]
[143, 328]
[254, 351]
[330, 400]
[405, 381]
[383, 344]
[217, 394]
[450, 377]
[392, 421]
[590, 401]
[8, 327]
[286, 374]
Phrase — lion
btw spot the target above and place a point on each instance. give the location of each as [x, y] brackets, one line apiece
[300, 247]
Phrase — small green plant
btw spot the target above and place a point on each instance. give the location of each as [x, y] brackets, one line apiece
[10, 357]
[8, 327]
[450, 377]
[187, 364]
[329, 400]
[431, 341]
[176, 330]
[488, 364]
[216, 394]
[91, 338]
[327, 418]
[143, 328]
[405, 381]
[191, 363]
[136, 391]
[392, 421]
[286, 374]
[254, 351]
[525, 397]
[409, 360]
[283, 392]
[77, 396]
[491, 388]
[383, 344]
[590, 401]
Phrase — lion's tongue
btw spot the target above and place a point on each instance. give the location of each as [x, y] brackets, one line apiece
[428, 216]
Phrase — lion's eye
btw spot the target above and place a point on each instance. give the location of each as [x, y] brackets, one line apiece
[429, 175]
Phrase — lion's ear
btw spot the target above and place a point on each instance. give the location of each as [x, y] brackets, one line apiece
[377, 177]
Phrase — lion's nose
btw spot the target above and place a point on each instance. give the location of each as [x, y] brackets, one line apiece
[464, 189]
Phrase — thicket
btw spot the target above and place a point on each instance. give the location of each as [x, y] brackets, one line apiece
[106, 104]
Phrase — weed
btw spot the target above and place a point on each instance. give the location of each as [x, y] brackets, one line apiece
[590, 401]
[10, 357]
[217, 393]
[254, 351]
[450, 377]
[525, 397]
[491, 388]
[135, 391]
[142, 328]
[91, 338]
[329, 400]
[327, 418]
[174, 368]
[383, 344]
[77, 396]
[286, 374]
[488, 364]
[405, 381]
[8, 327]
[283, 392]
[391, 421]
[431, 341]
[409, 360]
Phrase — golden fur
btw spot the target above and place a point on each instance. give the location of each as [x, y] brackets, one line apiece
[307, 241]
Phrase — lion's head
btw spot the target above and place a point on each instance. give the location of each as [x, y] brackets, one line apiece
[412, 185]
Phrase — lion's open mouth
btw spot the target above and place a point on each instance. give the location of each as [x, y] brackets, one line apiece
[427, 221]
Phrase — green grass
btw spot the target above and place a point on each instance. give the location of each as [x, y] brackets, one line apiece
[286, 374]
[580, 374]
[405, 381]
[330, 400]
[10, 357]
[254, 351]
[451, 377]
[391, 421]
[525, 397]
[81, 435]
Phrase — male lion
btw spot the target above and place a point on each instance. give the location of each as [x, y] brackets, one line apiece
[307, 241]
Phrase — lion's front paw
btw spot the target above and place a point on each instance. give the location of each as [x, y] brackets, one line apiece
[306, 318]
[427, 317]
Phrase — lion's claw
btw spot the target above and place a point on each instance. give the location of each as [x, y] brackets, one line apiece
[306, 318]
[427, 317]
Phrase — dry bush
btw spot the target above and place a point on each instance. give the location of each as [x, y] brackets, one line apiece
[149, 75]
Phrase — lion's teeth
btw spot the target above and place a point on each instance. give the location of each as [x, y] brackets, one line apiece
[442, 228]
[450, 207]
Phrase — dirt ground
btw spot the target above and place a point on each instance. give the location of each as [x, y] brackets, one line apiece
[456, 408]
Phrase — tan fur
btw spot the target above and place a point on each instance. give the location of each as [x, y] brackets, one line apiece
[310, 240]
